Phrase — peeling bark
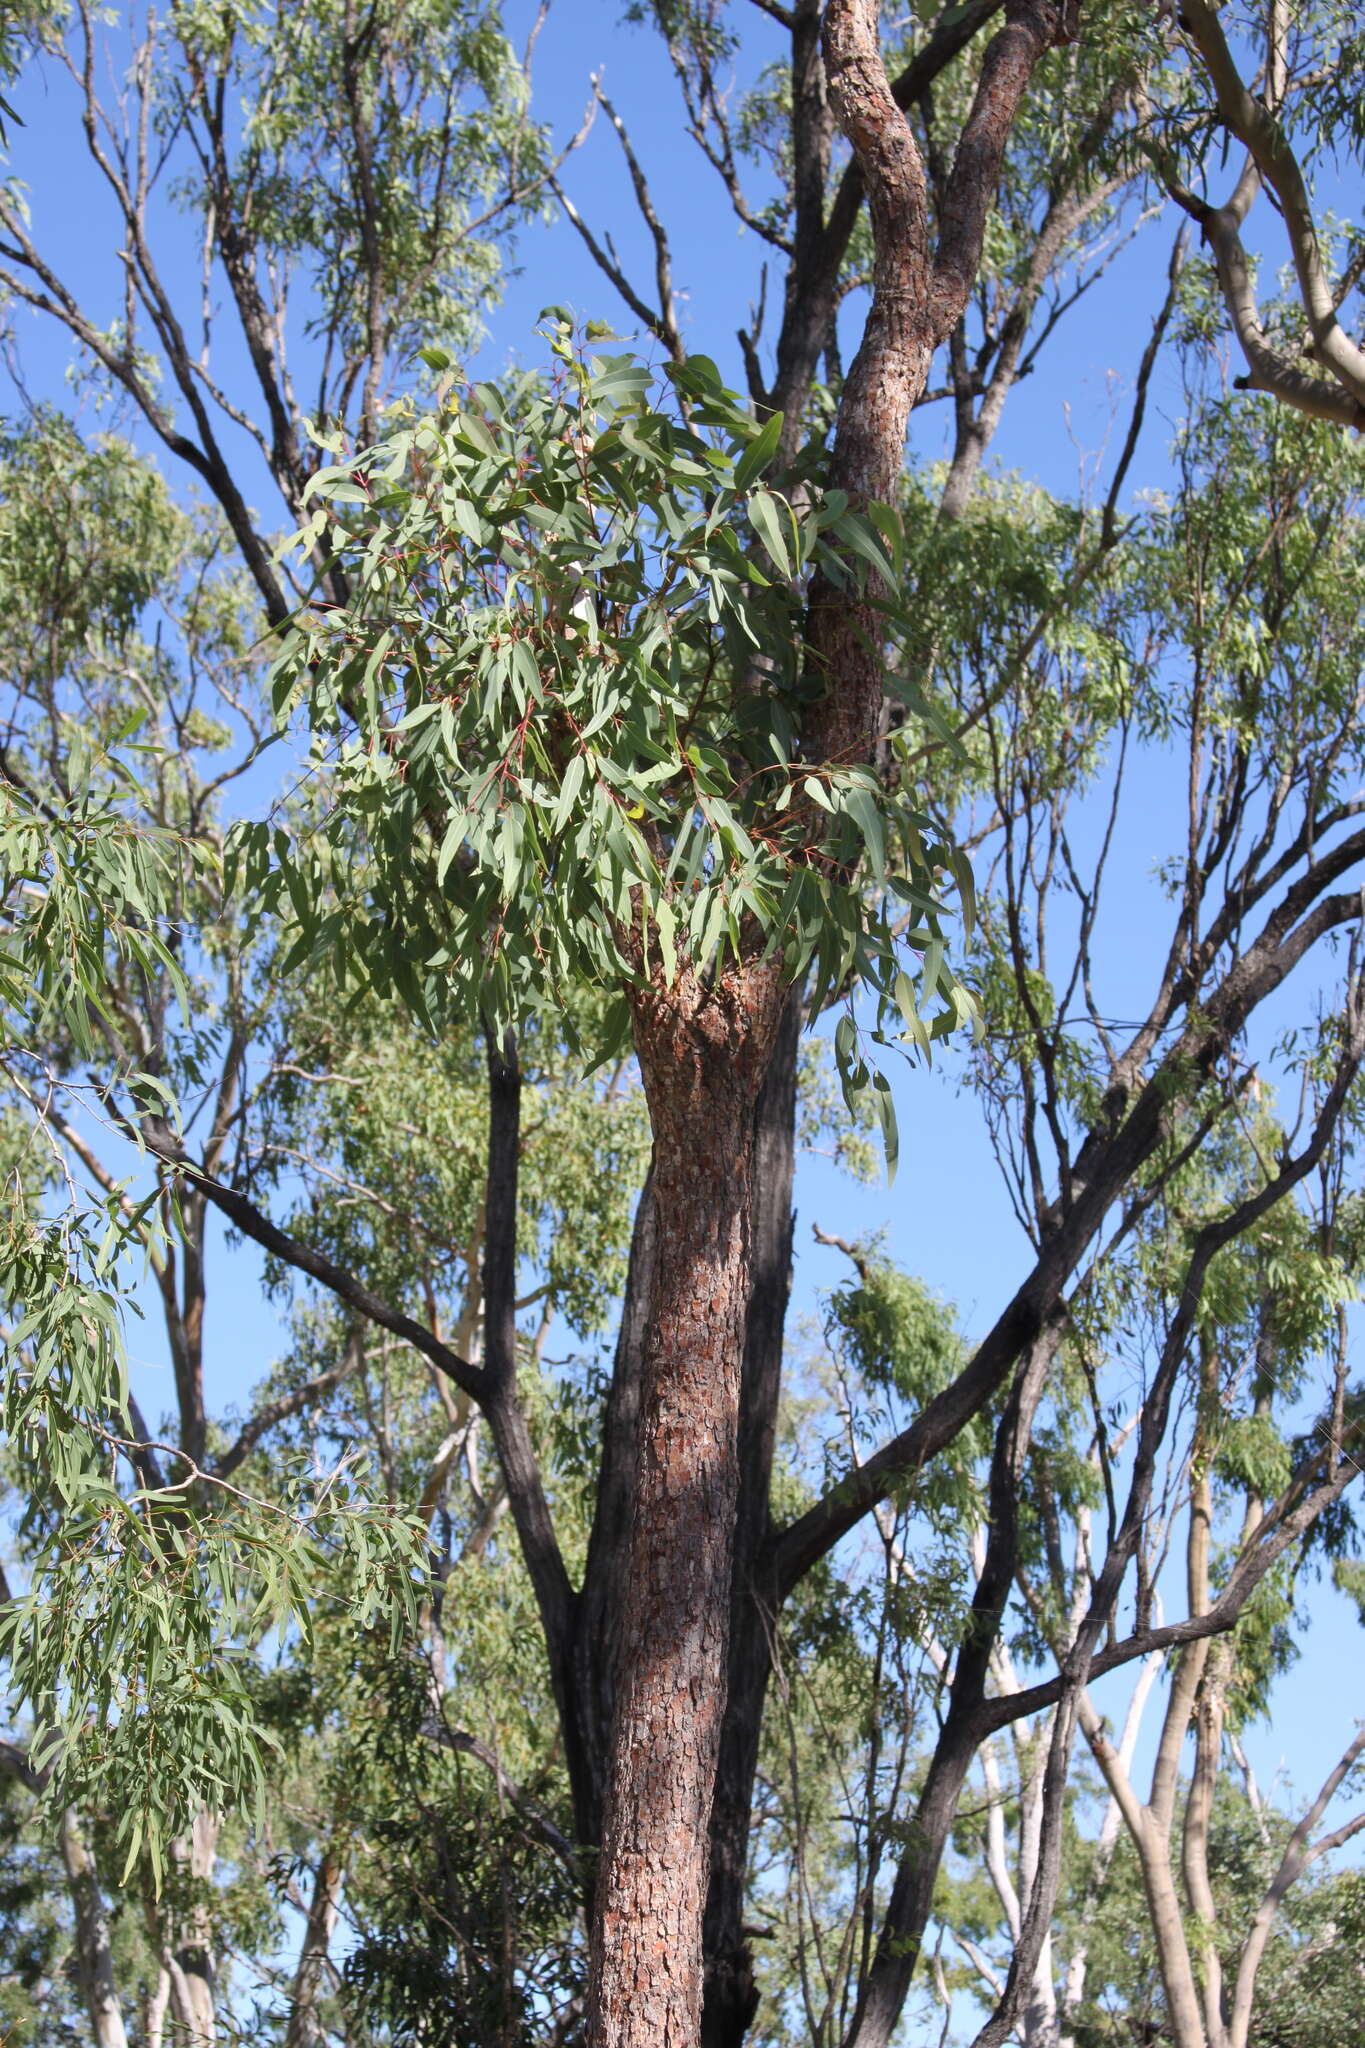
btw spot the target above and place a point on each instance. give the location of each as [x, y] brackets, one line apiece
[191, 1959]
[305, 2026]
[94, 1954]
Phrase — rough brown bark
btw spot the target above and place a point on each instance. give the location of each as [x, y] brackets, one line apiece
[601, 1602]
[918, 293]
[731, 1995]
[822, 237]
[702, 1054]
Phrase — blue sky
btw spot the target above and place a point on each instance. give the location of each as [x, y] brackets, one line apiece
[948, 1217]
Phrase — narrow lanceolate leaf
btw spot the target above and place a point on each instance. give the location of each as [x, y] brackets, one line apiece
[860, 802]
[863, 540]
[759, 452]
[884, 1107]
[766, 515]
[966, 890]
[931, 968]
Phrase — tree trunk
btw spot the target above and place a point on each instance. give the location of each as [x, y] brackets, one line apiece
[731, 1996]
[155, 2006]
[702, 1054]
[1079, 1960]
[703, 1050]
[882, 1993]
[1038, 2022]
[600, 1605]
[94, 1956]
[191, 1959]
[305, 2026]
[1184, 2018]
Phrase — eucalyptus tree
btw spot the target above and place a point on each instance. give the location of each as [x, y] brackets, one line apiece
[1248, 1359]
[867, 1650]
[704, 1017]
[135, 1585]
[1271, 1304]
[1272, 1324]
[450, 659]
[1306, 65]
[553, 871]
[431, 631]
[1308, 1980]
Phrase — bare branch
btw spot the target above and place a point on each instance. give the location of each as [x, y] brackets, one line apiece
[610, 268]
[1251, 1568]
[1300, 1851]
[667, 328]
[464, 1744]
[1116, 1146]
[296, 1403]
[1270, 159]
[162, 1142]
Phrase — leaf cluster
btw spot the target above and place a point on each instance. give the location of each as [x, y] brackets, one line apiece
[565, 702]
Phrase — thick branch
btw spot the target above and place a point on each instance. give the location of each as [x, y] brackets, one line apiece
[242, 1211]
[1255, 124]
[1031, 28]
[516, 1452]
[1105, 1165]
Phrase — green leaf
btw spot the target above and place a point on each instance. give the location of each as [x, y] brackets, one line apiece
[961, 866]
[884, 1106]
[858, 534]
[765, 517]
[759, 453]
[861, 805]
